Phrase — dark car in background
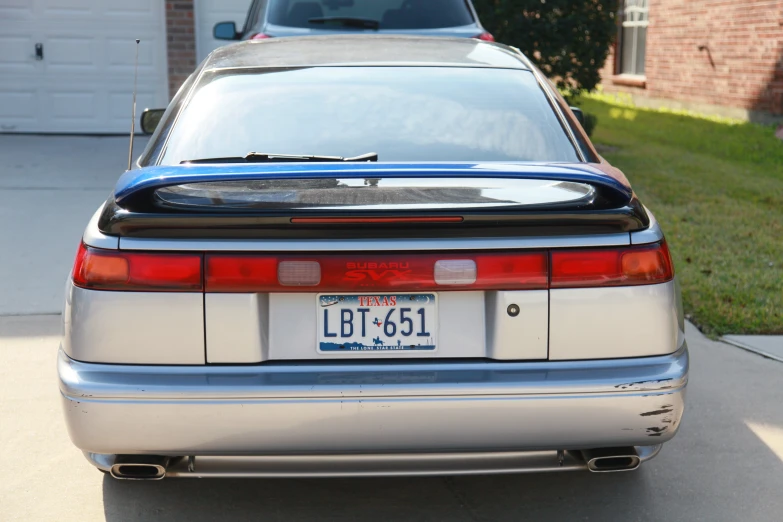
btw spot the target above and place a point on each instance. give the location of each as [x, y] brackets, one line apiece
[274, 18]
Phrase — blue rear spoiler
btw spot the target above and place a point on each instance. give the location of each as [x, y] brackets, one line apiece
[136, 187]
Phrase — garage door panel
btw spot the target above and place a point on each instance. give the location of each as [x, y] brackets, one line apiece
[121, 52]
[121, 103]
[69, 8]
[17, 107]
[72, 54]
[84, 82]
[140, 8]
[16, 10]
[74, 107]
[17, 50]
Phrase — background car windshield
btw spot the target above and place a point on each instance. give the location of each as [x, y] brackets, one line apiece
[402, 113]
[391, 14]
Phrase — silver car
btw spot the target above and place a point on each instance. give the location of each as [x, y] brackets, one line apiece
[357, 255]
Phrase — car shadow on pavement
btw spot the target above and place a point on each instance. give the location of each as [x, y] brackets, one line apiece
[726, 463]
[554, 496]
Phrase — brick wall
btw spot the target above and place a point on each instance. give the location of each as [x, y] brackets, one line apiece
[739, 66]
[181, 39]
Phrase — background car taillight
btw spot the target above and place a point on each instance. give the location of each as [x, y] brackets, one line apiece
[115, 270]
[487, 37]
[567, 268]
[260, 36]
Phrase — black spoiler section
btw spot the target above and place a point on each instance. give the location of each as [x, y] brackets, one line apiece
[344, 200]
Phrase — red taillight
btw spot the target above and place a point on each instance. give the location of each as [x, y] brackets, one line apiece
[116, 270]
[568, 268]
[350, 273]
[376, 220]
[611, 267]
[260, 36]
[487, 37]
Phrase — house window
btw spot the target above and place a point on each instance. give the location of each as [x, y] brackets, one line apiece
[633, 36]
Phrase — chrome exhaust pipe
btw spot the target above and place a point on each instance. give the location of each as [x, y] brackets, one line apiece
[139, 467]
[604, 460]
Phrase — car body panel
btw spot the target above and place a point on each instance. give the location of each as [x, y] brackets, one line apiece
[141, 182]
[363, 50]
[94, 237]
[373, 245]
[134, 327]
[630, 321]
[372, 407]
[253, 328]
[523, 335]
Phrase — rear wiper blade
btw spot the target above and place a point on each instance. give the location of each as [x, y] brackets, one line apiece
[266, 157]
[347, 21]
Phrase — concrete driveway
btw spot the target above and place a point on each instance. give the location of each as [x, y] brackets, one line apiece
[725, 464]
[49, 188]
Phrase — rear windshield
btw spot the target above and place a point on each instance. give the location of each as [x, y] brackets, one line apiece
[390, 14]
[401, 113]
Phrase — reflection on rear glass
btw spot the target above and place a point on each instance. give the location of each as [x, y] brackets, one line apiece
[374, 194]
[402, 113]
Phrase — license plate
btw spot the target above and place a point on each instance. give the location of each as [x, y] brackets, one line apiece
[377, 322]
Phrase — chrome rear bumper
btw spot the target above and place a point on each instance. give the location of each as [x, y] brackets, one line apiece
[385, 415]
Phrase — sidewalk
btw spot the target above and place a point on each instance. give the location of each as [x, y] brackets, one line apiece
[770, 346]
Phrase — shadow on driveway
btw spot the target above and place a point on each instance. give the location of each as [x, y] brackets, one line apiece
[558, 496]
[716, 469]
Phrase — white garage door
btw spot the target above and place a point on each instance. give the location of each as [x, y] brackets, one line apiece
[210, 12]
[81, 78]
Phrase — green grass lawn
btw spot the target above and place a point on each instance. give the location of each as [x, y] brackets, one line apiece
[717, 190]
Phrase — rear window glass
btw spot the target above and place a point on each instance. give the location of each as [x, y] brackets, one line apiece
[401, 113]
[390, 14]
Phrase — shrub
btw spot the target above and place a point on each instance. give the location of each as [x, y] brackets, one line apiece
[567, 39]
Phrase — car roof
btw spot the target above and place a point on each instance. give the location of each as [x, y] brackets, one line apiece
[367, 50]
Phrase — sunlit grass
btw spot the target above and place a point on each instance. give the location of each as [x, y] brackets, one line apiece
[716, 186]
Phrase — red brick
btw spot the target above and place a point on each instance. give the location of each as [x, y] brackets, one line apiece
[181, 37]
[745, 40]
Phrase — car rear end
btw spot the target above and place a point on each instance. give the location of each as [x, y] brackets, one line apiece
[350, 342]
[246, 315]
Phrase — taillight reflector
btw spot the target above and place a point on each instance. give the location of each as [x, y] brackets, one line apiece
[117, 270]
[455, 272]
[351, 273]
[487, 37]
[611, 267]
[299, 273]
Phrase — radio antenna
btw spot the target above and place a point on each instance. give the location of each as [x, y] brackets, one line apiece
[133, 115]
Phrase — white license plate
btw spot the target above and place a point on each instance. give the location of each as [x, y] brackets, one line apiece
[377, 322]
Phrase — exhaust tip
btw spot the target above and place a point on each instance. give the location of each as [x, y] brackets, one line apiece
[611, 459]
[139, 468]
[617, 463]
